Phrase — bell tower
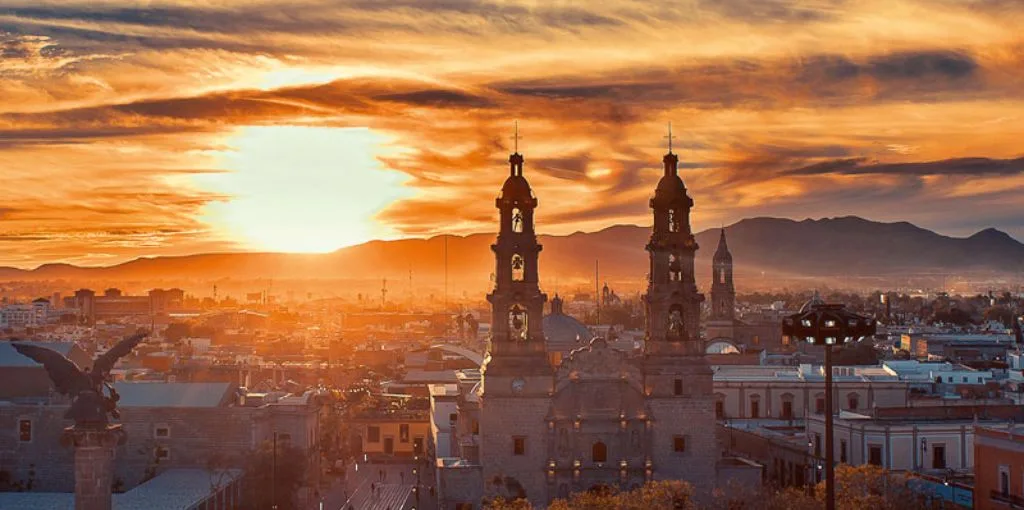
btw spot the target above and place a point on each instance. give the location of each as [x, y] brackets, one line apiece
[678, 382]
[517, 380]
[723, 293]
[672, 300]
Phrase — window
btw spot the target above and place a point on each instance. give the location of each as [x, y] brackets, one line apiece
[453, 417]
[842, 451]
[373, 434]
[403, 433]
[875, 455]
[517, 220]
[673, 221]
[965, 378]
[679, 444]
[162, 453]
[853, 401]
[1004, 480]
[518, 446]
[819, 405]
[599, 452]
[162, 432]
[284, 437]
[949, 379]
[518, 268]
[939, 456]
[817, 445]
[678, 386]
[787, 410]
[719, 409]
[476, 427]
[25, 431]
[417, 445]
[755, 409]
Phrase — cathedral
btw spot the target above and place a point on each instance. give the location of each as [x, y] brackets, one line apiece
[599, 417]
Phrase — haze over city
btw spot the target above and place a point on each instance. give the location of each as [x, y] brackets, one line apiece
[511, 255]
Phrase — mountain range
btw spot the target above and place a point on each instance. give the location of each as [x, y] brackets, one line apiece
[830, 247]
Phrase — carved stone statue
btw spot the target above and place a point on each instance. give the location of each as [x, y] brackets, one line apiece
[89, 407]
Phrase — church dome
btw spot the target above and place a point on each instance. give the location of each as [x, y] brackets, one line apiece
[814, 301]
[516, 187]
[562, 332]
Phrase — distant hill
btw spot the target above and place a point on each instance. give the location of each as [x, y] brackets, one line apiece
[829, 247]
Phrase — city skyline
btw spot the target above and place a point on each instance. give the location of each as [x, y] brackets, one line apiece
[304, 127]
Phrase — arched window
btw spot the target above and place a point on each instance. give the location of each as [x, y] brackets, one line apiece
[599, 453]
[518, 268]
[518, 326]
[676, 325]
[675, 269]
[721, 275]
[673, 221]
[517, 220]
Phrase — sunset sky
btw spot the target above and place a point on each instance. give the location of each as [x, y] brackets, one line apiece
[171, 127]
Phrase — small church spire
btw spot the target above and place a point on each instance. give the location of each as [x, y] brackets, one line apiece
[671, 160]
[515, 159]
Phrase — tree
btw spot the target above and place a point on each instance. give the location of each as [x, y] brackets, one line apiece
[290, 473]
[668, 495]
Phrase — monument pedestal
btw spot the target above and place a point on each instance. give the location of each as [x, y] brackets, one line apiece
[94, 458]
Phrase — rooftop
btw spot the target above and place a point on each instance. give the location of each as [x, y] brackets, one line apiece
[12, 358]
[177, 394]
[176, 489]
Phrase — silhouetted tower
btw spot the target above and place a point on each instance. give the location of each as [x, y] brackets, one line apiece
[517, 303]
[723, 292]
[672, 300]
[677, 379]
[518, 381]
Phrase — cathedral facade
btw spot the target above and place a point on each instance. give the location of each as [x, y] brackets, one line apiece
[601, 417]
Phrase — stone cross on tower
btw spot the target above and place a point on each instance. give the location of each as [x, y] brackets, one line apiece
[515, 138]
[670, 137]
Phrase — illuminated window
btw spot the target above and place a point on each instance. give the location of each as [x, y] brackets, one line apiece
[673, 221]
[517, 220]
[518, 268]
[517, 323]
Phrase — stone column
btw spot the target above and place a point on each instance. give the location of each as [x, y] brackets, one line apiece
[94, 456]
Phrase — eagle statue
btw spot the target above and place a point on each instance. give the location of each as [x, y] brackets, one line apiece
[90, 406]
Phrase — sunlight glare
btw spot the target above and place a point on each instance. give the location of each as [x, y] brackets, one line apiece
[303, 189]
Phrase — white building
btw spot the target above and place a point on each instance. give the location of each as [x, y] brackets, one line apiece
[444, 414]
[745, 391]
[901, 444]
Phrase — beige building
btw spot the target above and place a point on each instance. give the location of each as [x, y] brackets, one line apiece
[744, 391]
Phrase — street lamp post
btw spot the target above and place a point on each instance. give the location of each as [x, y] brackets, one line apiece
[828, 325]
